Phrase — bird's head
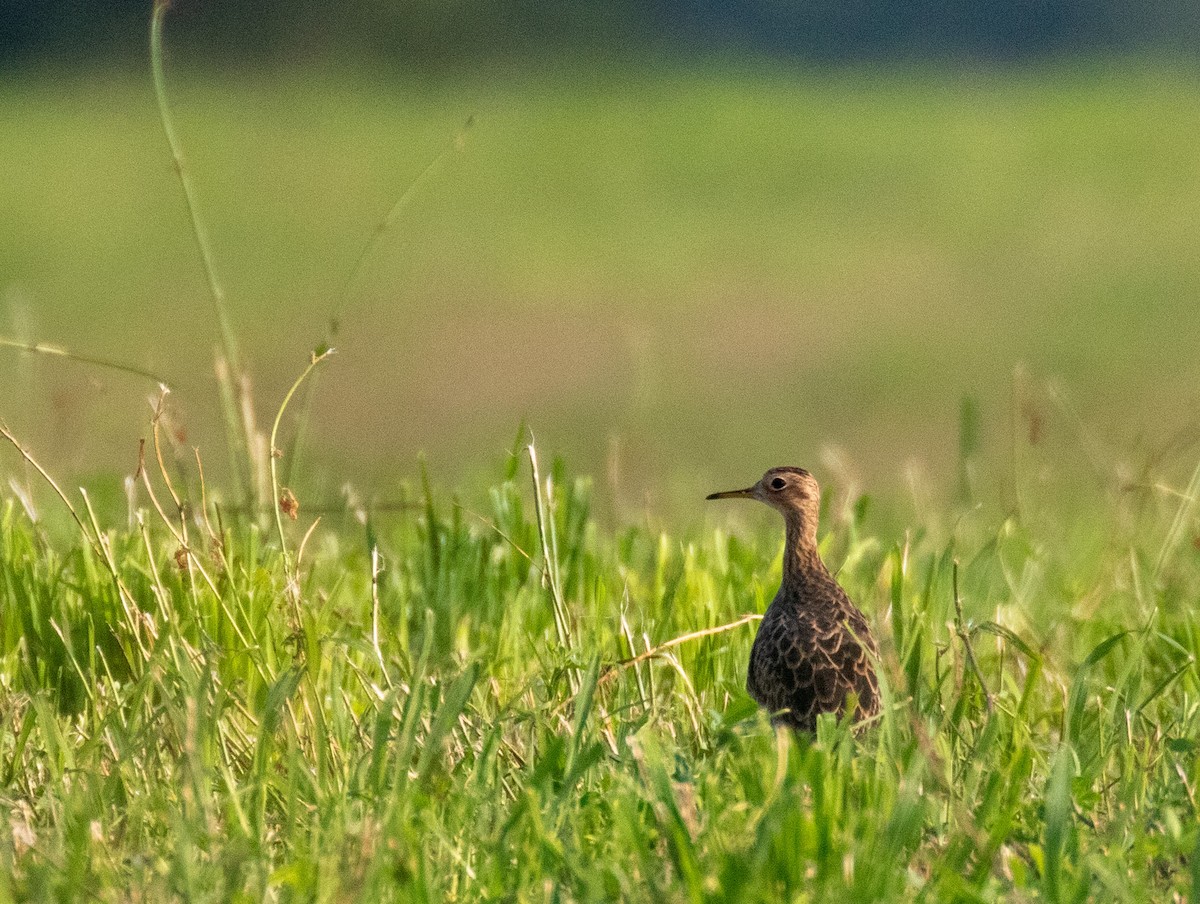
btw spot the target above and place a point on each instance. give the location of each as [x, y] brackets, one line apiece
[792, 491]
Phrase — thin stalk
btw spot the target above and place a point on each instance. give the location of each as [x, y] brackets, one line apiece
[965, 637]
[376, 570]
[389, 220]
[136, 619]
[317, 358]
[627, 632]
[180, 537]
[549, 570]
[45, 348]
[368, 249]
[304, 542]
[228, 340]
[613, 670]
[25, 454]
[562, 624]
[1183, 517]
[231, 379]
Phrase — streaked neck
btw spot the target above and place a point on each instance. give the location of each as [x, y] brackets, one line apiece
[801, 562]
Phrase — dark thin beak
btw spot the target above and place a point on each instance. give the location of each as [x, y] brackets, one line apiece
[747, 493]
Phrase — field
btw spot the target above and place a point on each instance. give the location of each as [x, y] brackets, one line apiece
[965, 298]
[794, 261]
[505, 701]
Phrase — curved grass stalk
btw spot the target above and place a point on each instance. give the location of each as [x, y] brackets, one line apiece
[95, 537]
[33, 462]
[369, 248]
[389, 220]
[1183, 517]
[57, 351]
[236, 407]
[317, 358]
[228, 340]
[613, 670]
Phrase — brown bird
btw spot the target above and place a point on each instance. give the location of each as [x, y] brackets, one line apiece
[813, 650]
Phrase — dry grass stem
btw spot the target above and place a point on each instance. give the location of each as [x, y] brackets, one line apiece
[612, 670]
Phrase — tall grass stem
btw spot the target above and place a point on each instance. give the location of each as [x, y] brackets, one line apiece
[273, 454]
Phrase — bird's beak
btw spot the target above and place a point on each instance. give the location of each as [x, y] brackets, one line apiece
[747, 493]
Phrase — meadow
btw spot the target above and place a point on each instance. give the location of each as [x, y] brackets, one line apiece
[794, 259]
[498, 699]
[529, 685]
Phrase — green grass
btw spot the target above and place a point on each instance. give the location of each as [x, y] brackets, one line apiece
[808, 258]
[191, 729]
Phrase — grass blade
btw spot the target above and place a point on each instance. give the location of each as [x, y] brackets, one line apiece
[1058, 808]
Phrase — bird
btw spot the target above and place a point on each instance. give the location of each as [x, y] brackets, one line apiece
[813, 652]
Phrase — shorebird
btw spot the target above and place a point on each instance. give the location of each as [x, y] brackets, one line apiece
[813, 652]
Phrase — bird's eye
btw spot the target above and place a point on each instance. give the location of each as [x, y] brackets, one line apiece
[778, 483]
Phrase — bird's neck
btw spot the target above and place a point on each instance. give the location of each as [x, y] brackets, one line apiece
[802, 564]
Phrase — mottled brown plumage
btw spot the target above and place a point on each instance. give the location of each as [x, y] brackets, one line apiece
[814, 649]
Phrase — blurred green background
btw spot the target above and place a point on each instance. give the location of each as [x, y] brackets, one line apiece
[683, 242]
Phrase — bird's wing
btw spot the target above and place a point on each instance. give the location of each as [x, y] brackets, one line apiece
[808, 662]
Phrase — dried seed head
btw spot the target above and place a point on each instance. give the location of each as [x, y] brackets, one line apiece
[289, 504]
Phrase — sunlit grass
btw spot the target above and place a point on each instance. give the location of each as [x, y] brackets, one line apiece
[419, 727]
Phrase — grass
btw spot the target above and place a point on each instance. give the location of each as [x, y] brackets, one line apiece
[441, 712]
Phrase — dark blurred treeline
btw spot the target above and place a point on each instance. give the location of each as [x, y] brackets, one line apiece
[428, 33]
